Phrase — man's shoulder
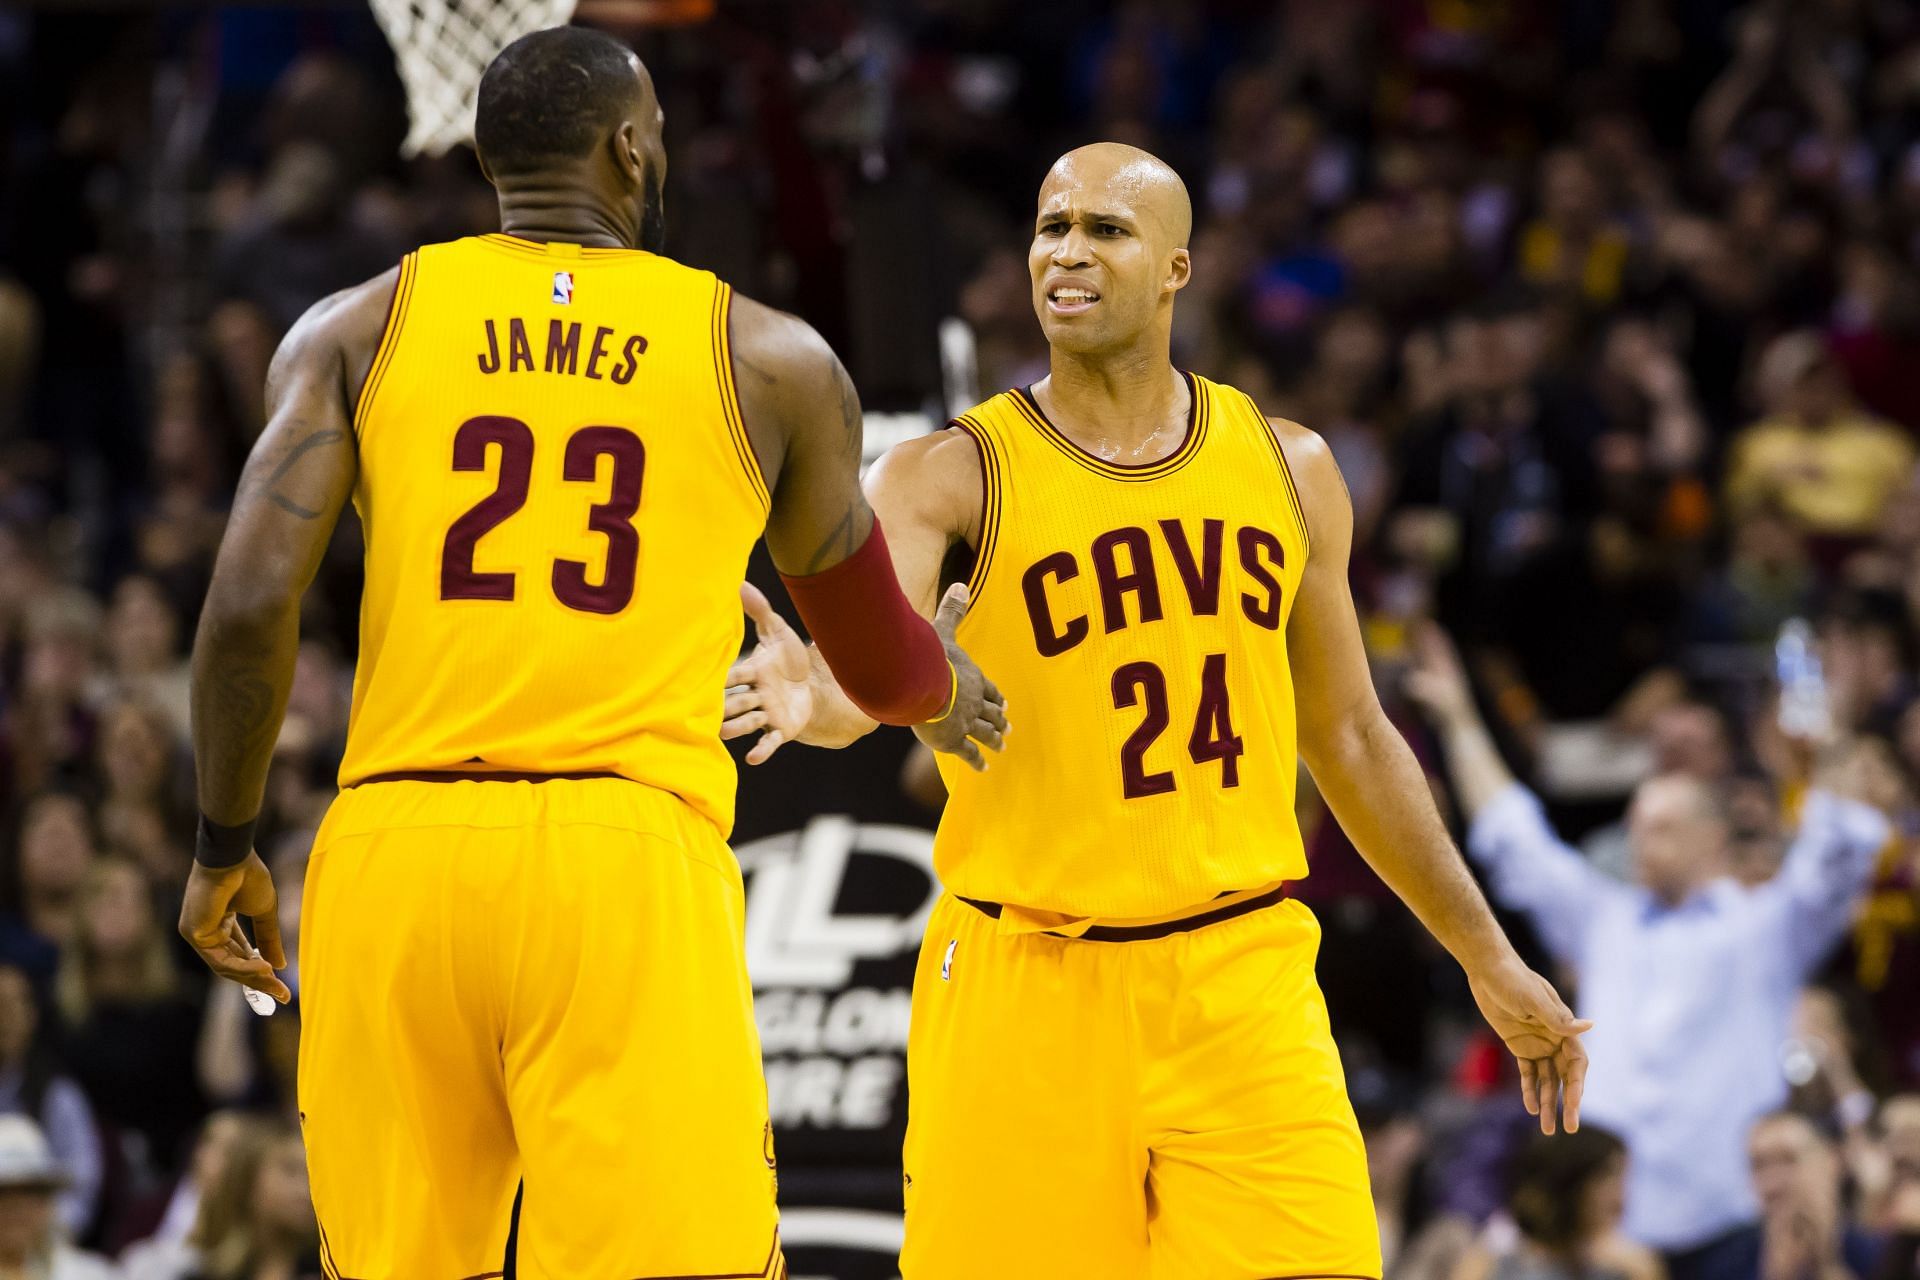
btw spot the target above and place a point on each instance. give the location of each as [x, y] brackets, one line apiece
[351, 320]
[944, 472]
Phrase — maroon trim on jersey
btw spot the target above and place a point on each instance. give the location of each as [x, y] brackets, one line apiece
[389, 340]
[1183, 453]
[1164, 929]
[482, 775]
[1286, 470]
[723, 372]
[775, 1265]
[989, 504]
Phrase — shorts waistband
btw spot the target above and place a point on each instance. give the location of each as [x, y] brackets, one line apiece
[1158, 929]
[480, 775]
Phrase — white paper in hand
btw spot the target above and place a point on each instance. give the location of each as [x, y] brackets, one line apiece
[259, 1001]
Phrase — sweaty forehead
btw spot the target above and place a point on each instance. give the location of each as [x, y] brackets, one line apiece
[1134, 188]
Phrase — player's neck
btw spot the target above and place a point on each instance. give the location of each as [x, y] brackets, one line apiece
[1124, 402]
[552, 211]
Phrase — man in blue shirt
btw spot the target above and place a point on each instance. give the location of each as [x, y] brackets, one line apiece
[1689, 976]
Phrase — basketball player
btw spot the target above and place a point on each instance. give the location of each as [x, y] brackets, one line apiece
[1119, 1061]
[523, 953]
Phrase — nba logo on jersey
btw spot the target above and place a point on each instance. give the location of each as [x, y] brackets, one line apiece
[563, 287]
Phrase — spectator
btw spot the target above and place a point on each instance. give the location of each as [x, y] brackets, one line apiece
[1564, 1206]
[160, 1231]
[1767, 579]
[1831, 467]
[1690, 977]
[1899, 1206]
[256, 1222]
[143, 649]
[49, 724]
[138, 767]
[32, 1085]
[55, 853]
[1571, 244]
[1803, 1229]
[127, 1026]
[31, 1246]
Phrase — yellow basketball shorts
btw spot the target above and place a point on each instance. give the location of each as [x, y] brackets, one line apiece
[1164, 1107]
[540, 983]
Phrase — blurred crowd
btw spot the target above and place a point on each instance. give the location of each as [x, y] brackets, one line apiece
[1610, 310]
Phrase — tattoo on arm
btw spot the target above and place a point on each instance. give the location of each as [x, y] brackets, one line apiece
[841, 541]
[313, 440]
[759, 371]
[243, 702]
[850, 420]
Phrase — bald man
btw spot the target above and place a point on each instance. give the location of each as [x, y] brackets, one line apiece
[1120, 1063]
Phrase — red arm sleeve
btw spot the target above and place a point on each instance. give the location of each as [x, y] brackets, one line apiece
[889, 660]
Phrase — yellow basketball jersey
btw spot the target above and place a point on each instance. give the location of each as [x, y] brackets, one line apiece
[559, 499]
[1136, 619]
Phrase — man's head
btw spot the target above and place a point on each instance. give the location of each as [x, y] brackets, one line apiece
[1109, 249]
[1691, 738]
[1798, 378]
[1678, 834]
[571, 110]
[1900, 1133]
[1795, 1168]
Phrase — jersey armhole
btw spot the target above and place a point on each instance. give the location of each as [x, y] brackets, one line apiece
[1286, 471]
[389, 342]
[730, 395]
[989, 504]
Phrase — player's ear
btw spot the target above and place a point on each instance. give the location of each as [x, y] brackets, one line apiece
[1179, 271]
[627, 155]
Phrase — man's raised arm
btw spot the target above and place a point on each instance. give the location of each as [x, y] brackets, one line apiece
[298, 478]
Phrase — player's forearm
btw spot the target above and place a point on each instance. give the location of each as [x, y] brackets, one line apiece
[836, 722]
[887, 658]
[1376, 789]
[243, 662]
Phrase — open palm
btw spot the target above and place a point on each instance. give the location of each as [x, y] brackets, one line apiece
[769, 691]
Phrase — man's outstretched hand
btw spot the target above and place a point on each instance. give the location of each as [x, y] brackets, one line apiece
[772, 690]
[978, 716]
[1542, 1034]
[210, 920]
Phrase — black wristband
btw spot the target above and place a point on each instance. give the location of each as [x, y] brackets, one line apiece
[220, 847]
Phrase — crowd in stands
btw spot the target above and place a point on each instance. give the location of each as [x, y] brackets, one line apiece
[1609, 309]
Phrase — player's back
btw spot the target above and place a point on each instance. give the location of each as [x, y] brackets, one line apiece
[559, 499]
[1136, 619]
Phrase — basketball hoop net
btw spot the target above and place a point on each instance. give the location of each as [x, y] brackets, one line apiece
[443, 46]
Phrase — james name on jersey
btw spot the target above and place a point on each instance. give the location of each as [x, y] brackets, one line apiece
[563, 351]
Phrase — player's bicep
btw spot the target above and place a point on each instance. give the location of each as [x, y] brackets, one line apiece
[1331, 676]
[799, 398]
[919, 492]
[299, 475]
